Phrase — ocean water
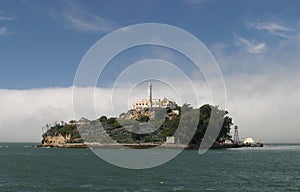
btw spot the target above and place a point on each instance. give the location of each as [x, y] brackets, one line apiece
[271, 168]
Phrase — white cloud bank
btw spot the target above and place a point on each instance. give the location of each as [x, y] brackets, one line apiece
[24, 112]
[264, 107]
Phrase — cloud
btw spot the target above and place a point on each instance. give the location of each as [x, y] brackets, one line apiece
[263, 105]
[263, 89]
[273, 28]
[4, 31]
[77, 18]
[4, 17]
[23, 113]
[251, 46]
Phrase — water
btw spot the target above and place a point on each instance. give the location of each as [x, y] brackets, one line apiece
[272, 168]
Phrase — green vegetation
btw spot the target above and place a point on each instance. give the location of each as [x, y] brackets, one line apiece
[143, 118]
[187, 125]
[193, 124]
[64, 130]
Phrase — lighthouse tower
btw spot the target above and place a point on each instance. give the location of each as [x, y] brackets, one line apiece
[236, 139]
[150, 94]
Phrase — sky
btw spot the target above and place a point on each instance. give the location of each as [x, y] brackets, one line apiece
[255, 43]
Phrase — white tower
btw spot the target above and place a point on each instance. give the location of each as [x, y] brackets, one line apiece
[150, 94]
[236, 139]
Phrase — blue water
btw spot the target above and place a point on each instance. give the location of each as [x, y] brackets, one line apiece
[272, 168]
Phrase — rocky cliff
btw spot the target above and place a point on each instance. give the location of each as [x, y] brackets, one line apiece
[59, 135]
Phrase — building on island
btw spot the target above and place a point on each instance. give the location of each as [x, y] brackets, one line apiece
[170, 140]
[249, 141]
[153, 103]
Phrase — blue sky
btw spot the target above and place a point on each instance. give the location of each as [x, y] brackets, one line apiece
[256, 44]
[42, 43]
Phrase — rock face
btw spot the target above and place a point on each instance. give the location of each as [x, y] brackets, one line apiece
[60, 135]
[136, 114]
[56, 141]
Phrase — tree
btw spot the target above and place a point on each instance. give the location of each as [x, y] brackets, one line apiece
[218, 119]
[143, 118]
[103, 119]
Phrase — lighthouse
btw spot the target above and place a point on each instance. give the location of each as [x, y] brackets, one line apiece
[150, 94]
[236, 139]
[149, 102]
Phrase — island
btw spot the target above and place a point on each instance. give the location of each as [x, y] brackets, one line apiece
[149, 123]
[138, 128]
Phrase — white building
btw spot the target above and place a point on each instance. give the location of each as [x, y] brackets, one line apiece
[170, 140]
[228, 142]
[248, 141]
[150, 103]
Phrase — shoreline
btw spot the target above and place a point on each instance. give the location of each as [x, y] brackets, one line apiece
[141, 146]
